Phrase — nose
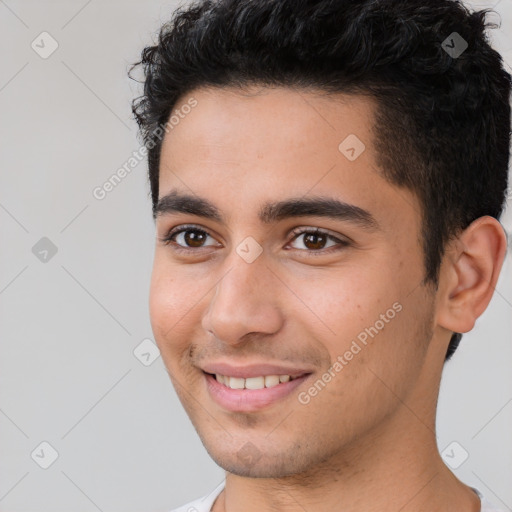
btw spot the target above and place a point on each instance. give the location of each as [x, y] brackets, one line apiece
[244, 301]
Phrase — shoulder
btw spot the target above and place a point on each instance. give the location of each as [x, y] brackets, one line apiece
[203, 504]
[487, 506]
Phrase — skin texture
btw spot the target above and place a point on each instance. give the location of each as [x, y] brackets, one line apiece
[366, 441]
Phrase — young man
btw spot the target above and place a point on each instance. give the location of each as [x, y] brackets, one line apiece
[327, 179]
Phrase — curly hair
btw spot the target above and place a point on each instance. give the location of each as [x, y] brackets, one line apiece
[442, 121]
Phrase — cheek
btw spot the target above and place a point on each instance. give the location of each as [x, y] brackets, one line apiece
[171, 308]
[343, 303]
[366, 321]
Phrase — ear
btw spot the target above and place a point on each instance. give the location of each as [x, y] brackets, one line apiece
[469, 273]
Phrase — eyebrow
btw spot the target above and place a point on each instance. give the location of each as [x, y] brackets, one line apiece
[270, 212]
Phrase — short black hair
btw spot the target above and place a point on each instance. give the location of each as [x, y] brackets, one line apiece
[442, 122]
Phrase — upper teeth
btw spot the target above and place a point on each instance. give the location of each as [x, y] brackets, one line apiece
[267, 381]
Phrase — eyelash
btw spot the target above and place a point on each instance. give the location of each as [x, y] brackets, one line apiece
[168, 240]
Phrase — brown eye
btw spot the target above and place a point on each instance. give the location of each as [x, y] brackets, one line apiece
[314, 241]
[194, 238]
[187, 237]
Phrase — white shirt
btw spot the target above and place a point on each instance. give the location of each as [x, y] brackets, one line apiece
[205, 503]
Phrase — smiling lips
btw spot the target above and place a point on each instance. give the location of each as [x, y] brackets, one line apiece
[267, 381]
[254, 370]
[250, 388]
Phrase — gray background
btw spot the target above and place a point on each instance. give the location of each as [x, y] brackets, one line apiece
[70, 323]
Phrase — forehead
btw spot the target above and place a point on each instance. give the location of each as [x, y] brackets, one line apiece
[244, 148]
[266, 118]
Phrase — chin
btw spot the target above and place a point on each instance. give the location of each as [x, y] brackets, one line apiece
[249, 461]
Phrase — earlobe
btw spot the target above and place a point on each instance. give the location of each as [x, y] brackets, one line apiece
[469, 274]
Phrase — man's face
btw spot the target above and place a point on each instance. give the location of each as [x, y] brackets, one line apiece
[247, 296]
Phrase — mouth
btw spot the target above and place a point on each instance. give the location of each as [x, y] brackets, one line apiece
[260, 382]
[251, 394]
